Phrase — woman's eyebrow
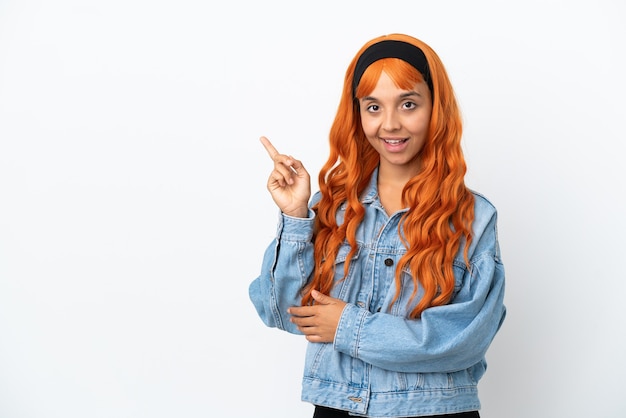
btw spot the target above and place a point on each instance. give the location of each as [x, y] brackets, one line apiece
[409, 94]
[402, 96]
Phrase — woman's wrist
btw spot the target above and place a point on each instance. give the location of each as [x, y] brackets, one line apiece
[298, 213]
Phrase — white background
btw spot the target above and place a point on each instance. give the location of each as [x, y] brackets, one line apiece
[134, 214]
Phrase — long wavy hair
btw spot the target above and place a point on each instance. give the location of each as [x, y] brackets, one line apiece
[440, 206]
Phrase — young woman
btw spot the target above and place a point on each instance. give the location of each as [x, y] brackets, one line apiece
[392, 269]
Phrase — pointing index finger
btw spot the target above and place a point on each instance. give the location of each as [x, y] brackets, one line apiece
[269, 147]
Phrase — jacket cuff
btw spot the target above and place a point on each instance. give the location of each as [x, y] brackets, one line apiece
[348, 329]
[296, 229]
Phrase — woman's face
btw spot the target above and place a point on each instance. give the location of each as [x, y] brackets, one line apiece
[396, 121]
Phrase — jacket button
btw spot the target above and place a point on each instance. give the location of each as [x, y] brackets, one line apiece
[389, 262]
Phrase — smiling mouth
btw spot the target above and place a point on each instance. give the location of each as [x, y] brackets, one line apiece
[394, 141]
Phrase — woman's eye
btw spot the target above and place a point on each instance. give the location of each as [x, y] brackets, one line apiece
[408, 105]
[372, 108]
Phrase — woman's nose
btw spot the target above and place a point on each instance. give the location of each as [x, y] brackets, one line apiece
[391, 122]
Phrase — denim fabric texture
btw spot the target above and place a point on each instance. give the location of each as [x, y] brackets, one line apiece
[382, 364]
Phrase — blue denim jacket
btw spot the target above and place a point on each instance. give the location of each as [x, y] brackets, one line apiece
[382, 364]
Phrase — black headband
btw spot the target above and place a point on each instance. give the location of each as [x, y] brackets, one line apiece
[391, 49]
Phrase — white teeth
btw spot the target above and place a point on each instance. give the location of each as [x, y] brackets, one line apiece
[394, 142]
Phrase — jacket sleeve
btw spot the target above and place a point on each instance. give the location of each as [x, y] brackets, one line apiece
[286, 267]
[446, 338]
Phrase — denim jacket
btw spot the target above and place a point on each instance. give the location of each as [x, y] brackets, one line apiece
[381, 363]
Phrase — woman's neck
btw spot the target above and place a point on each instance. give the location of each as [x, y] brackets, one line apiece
[391, 182]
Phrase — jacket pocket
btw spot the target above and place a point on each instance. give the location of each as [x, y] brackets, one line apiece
[343, 279]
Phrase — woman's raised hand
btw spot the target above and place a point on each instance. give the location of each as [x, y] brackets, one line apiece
[289, 183]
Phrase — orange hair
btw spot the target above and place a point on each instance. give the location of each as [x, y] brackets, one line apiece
[440, 207]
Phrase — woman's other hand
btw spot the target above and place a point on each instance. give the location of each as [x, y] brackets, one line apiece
[289, 183]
